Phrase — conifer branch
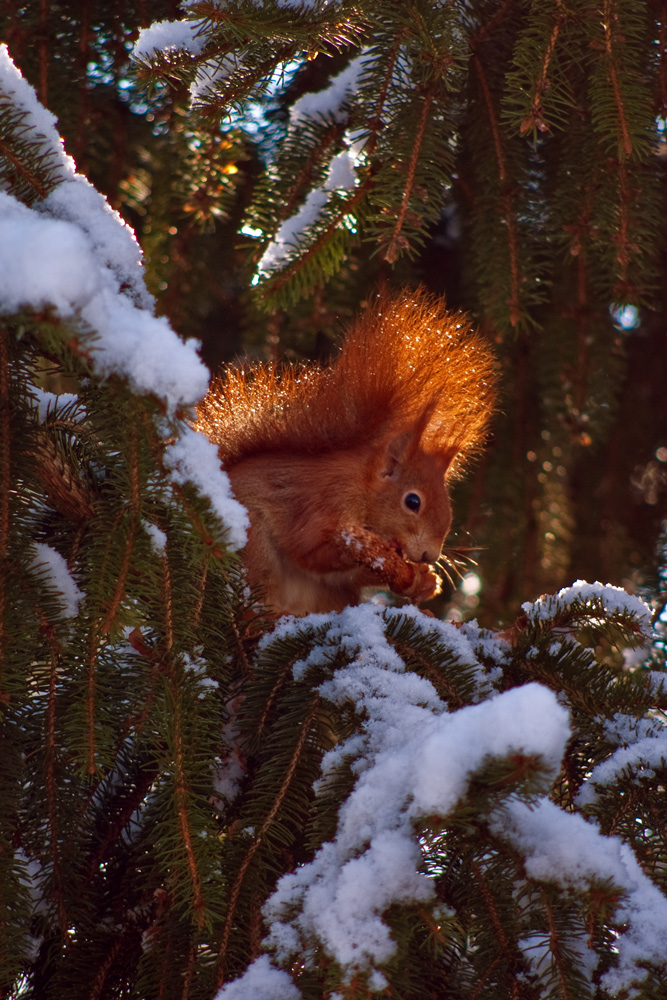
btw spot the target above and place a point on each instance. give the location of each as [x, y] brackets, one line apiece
[201, 591]
[119, 820]
[493, 121]
[376, 124]
[166, 599]
[395, 240]
[514, 300]
[136, 722]
[430, 670]
[489, 26]
[481, 985]
[22, 170]
[96, 633]
[506, 200]
[197, 522]
[64, 490]
[188, 975]
[257, 842]
[535, 119]
[5, 481]
[128, 551]
[181, 788]
[240, 646]
[91, 697]
[49, 767]
[506, 945]
[625, 247]
[113, 952]
[330, 135]
[555, 950]
[608, 27]
[273, 694]
[247, 81]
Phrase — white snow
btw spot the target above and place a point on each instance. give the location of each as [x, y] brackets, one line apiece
[289, 235]
[193, 458]
[50, 262]
[418, 764]
[341, 176]
[262, 981]
[49, 402]
[114, 244]
[157, 537]
[331, 99]
[212, 72]
[57, 577]
[42, 261]
[163, 36]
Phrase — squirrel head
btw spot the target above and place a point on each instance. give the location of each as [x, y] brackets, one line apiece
[410, 507]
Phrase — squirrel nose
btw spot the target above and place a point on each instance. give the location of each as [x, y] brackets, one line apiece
[425, 557]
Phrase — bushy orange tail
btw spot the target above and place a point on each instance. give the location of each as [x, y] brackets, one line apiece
[406, 364]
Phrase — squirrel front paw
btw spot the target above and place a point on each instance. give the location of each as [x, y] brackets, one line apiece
[424, 586]
[413, 580]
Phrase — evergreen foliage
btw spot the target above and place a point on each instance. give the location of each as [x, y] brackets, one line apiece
[375, 803]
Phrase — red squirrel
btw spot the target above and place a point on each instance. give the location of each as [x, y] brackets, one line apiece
[344, 469]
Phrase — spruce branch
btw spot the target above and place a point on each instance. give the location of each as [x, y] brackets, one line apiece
[64, 489]
[661, 108]
[492, 118]
[609, 26]
[555, 949]
[23, 175]
[330, 135]
[395, 242]
[50, 777]
[5, 481]
[376, 123]
[260, 835]
[506, 198]
[535, 119]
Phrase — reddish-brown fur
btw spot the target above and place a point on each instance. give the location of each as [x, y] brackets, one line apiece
[324, 458]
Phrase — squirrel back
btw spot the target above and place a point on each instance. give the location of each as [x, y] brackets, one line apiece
[343, 468]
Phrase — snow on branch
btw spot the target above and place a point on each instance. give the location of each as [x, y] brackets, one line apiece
[331, 100]
[163, 36]
[594, 600]
[639, 758]
[418, 764]
[565, 849]
[72, 253]
[414, 759]
[56, 575]
[36, 119]
[193, 458]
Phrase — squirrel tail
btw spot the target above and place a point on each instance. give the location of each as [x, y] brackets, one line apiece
[407, 364]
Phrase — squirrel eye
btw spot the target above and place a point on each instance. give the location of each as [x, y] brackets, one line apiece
[412, 501]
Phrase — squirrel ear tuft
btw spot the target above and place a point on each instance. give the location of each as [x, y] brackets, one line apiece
[395, 451]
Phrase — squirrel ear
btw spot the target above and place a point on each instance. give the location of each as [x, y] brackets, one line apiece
[395, 451]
